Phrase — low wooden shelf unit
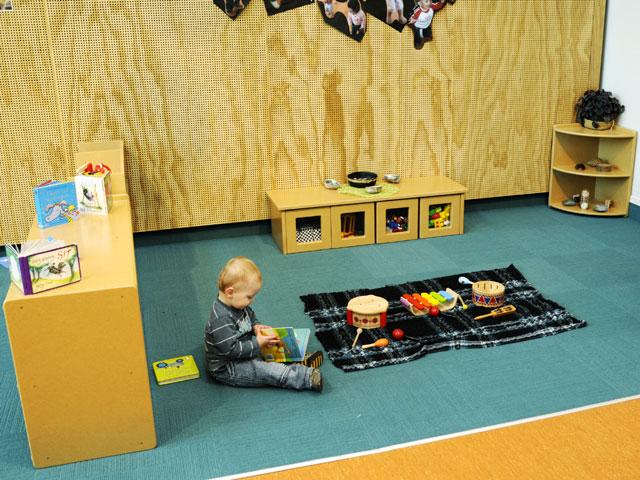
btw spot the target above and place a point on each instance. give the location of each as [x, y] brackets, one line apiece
[78, 350]
[315, 218]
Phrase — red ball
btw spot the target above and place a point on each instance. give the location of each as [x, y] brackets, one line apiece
[398, 334]
[434, 311]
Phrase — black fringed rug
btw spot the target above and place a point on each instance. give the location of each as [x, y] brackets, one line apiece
[535, 317]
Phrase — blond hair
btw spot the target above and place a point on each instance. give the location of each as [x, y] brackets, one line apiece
[238, 270]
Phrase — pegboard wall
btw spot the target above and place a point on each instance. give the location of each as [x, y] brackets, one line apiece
[214, 112]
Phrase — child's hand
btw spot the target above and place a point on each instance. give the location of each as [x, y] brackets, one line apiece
[258, 327]
[266, 337]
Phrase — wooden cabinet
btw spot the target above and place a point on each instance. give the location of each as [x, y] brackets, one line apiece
[574, 145]
[314, 218]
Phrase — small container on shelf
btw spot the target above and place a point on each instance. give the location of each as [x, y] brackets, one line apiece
[331, 184]
[392, 178]
[362, 179]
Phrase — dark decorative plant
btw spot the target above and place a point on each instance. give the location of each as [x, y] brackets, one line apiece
[599, 106]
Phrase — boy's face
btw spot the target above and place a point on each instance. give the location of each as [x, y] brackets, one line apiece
[242, 294]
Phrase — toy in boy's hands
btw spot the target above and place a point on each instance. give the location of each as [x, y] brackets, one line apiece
[267, 337]
[258, 327]
[290, 344]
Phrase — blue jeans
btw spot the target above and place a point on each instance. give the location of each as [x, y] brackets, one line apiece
[258, 373]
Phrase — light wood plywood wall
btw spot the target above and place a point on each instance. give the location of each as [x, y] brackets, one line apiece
[214, 112]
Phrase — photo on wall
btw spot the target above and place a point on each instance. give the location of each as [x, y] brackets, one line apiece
[421, 19]
[347, 16]
[395, 13]
[232, 8]
[279, 6]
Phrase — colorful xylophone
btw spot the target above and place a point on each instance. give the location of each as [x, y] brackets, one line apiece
[419, 304]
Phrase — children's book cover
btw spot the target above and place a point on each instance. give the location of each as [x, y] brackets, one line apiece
[43, 264]
[55, 203]
[175, 369]
[93, 188]
[291, 346]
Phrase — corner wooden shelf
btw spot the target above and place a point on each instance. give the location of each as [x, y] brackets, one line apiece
[323, 214]
[574, 144]
[78, 350]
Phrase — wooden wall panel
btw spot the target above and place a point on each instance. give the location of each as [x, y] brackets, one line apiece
[518, 69]
[214, 112]
[31, 141]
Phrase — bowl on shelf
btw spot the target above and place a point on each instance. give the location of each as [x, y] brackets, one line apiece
[601, 207]
[373, 189]
[331, 184]
[362, 179]
[392, 178]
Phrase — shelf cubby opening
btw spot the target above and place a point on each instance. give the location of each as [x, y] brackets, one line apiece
[352, 224]
[308, 229]
[397, 220]
[439, 216]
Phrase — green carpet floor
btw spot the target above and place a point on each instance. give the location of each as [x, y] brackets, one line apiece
[589, 265]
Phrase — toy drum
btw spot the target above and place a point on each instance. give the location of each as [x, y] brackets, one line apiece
[367, 311]
[487, 293]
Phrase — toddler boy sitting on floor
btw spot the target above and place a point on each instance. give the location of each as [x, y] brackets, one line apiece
[233, 338]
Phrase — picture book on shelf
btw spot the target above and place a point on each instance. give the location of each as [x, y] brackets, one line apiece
[43, 264]
[291, 347]
[175, 369]
[93, 188]
[55, 203]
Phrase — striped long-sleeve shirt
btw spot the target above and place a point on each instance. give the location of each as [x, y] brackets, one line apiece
[229, 335]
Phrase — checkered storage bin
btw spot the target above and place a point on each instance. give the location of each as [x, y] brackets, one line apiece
[308, 234]
[308, 230]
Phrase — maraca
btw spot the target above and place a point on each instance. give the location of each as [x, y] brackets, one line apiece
[381, 342]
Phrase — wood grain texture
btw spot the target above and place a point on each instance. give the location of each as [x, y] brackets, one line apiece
[215, 112]
[598, 443]
[597, 44]
[31, 146]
